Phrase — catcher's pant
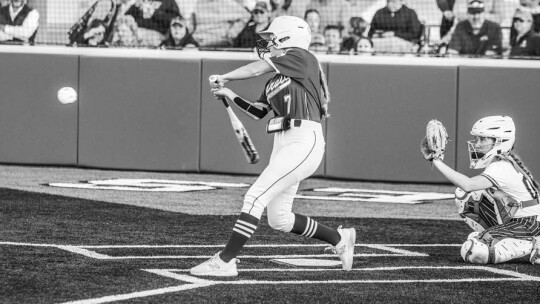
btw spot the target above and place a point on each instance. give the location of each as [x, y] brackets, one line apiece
[296, 155]
[518, 228]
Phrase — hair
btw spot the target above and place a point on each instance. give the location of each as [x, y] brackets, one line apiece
[333, 27]
[309, 11]
[326, 94]
[286, 5]
[512, 154]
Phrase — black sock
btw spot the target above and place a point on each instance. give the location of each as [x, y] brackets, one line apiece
[308, 227]
[243, 229]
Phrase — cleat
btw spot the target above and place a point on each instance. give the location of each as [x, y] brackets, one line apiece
[535, 253]
[345, 248]
[216, 267]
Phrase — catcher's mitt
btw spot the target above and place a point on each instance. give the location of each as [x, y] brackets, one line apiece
[434, 144]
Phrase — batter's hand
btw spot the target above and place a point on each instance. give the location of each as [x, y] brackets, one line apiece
[223, 92]
[216, 81]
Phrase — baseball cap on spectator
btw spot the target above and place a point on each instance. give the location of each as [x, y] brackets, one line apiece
[475, 7]
[522, 15]
[260, 6]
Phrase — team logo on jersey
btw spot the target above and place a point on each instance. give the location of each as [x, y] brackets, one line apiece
[277, 85]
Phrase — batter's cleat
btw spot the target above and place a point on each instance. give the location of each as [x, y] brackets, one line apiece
[345, 248]
[216, 267]
[535, 253]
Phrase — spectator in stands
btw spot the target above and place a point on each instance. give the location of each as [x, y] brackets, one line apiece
[396, 20]
[447, 22]
[333, 12]
[364, 46]
[313, 19]
[332, 38]
[260, 20]
[125, 32]
[279, 8]
[179, 36]
[476, 35]
[219, 22]
[358, 27]
[534, 7]
[18, 22]
[94, 36]
[153, 18]
[525, 43]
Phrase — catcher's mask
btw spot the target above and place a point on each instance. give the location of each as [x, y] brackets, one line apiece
[500, 128]
[284, 32]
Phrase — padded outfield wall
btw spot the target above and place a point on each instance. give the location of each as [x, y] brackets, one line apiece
[152, 110]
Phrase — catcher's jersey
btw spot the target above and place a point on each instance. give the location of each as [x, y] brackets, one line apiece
[506, 178]
[296, 89]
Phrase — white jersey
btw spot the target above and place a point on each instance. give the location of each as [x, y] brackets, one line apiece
[506, 178]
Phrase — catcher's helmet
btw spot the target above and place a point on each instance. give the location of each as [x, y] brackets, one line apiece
[502, 129]
[285, 32]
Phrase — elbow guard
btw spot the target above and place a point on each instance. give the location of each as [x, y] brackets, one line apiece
[248, 107]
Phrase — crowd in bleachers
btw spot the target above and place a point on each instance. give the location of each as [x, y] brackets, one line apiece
[485, 28]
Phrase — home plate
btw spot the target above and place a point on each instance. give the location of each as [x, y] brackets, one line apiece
[307, 262]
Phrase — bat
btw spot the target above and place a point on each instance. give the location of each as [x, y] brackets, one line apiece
[241, 133]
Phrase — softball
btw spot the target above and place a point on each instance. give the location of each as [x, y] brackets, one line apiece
[67, 95]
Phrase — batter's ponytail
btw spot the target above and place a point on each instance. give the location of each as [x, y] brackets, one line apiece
[325, 93]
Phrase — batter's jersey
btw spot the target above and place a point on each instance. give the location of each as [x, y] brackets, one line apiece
[296, 89]
[506, 178]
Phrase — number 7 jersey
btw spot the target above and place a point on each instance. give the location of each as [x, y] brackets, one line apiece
[296, 89]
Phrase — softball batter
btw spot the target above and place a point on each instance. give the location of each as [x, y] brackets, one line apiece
[501, 204]
[298, 96]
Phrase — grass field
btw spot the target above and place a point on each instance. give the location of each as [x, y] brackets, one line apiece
[74, 245]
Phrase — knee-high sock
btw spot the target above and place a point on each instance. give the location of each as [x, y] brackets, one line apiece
[243, 229]
[310, 228]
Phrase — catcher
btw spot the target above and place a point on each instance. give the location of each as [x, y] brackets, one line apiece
[501, 204]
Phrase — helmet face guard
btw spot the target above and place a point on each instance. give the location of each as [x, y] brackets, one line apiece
[263, 47]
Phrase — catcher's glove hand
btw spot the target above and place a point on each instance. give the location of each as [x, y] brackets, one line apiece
[434, 144]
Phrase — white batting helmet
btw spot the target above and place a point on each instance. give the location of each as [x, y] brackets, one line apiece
[288, 31]
[502, 129]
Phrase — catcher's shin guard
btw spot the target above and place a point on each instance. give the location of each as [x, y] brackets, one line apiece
[509, 249]
[476, 251]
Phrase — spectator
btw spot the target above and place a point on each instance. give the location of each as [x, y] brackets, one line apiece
[332, 37]
[260, 16]
[396, 20]
[313, 19]
[179, 36]
[279, 8]
[153, 18]
[364, 46]
[476, 35]
[333, 12]
[18, 22]
[534, 7]
[94, 36]
[525, 43]
[125, 32]
[358, 27]
[219, 22]
[447, 22]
